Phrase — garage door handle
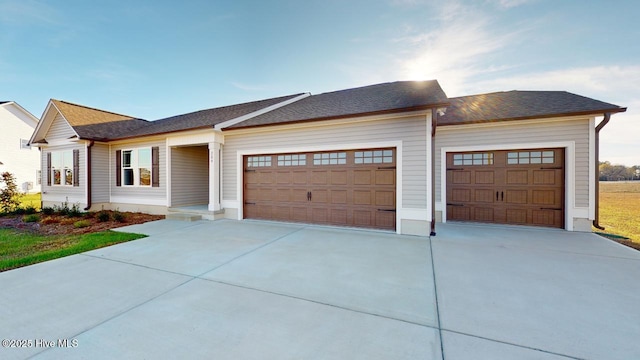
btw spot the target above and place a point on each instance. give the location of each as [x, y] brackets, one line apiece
[496, 196]
[502, 196]
[308, 195]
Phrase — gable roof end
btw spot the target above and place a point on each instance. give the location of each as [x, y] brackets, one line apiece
[368, 100]
[521, 105]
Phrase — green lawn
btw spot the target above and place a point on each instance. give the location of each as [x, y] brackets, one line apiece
[19, 249]
[620, 208]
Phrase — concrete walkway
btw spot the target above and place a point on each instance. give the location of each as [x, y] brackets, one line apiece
[262, 290]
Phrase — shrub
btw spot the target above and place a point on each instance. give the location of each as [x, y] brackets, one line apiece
[48, 210]
[103, 216]
[63, 209]
[81, 224]
[31, 218]
[9, 194]
[20, 211]
[30, 210]
[74, 211]
[119, 217]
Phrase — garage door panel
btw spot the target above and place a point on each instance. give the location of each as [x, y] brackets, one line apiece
[485, 177]
[339, 188]
[483, 214]
[516, 196]
[461, 177]
[481, 195]
[339, 177]
[385, 177]
[362, 177]
[385, 198]
[521, 186]
[461, 195]
[339, 197]
[362, 197]
[517, 177]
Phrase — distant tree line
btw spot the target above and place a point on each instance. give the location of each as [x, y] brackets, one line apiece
[610, 172]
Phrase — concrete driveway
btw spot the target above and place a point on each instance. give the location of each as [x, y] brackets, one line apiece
[262, 290]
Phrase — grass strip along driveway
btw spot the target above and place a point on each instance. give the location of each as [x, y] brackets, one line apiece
[19, 248]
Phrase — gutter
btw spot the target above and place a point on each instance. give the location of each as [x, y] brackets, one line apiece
[434, 124]
[89, 175]
[605, 121]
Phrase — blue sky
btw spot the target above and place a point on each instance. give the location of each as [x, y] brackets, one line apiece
[155, 59]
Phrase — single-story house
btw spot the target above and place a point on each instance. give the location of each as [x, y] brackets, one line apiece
[398, 156]
[16, 156]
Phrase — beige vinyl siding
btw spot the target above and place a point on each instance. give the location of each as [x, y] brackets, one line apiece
[524, 132]
[135, 193]
[189, 175]
[61, 193]
[411, 131]
[100, 173]
[59, 129]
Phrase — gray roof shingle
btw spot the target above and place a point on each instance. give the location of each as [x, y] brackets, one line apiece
[519, 105]
[196, 120]
[373, 99]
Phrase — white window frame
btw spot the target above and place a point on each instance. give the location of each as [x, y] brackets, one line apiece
[58, 163]
[135, 166]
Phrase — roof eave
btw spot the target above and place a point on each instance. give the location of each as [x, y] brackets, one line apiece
[547, 116]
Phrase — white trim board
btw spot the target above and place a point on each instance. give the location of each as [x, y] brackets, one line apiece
[569, 174]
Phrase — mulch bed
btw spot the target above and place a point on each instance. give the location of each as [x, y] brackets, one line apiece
[61, 224]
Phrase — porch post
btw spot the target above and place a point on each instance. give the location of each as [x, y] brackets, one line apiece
[214, 176]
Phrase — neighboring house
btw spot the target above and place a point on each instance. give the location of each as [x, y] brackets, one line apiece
[363, 157]
[16, 155]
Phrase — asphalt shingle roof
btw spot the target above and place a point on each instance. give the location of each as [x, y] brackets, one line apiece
[519, 105]
[131, 127]
[373, 99]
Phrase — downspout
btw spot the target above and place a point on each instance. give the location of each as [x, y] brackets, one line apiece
[434, 123]
[89, 175]
[596, 224]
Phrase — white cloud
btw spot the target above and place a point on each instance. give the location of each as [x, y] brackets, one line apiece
[451, 51]
[507, 4]
[249, 87]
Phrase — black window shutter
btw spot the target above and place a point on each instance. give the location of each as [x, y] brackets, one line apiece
[155, 166]
[76, 167]
[118, 167]
[48, 169]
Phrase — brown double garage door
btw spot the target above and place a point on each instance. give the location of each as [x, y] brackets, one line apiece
[524, 187]
[345, 188]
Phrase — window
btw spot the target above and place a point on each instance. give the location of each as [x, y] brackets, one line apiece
[374, 157]
[258, 161]
[24, 144]
[473, 159]
[531, 157]
[337, 158]
[292, 160]
[62, 168]
[136, 167]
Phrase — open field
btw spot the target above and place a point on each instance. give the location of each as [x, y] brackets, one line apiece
[620, 208]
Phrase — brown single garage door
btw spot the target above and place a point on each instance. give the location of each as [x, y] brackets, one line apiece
[523, 187]
[345, 188]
